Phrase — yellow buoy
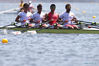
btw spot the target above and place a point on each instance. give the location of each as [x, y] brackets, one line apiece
[84, 12]
[65, 2]
[4, 41]
[94, 16]
[77, 9]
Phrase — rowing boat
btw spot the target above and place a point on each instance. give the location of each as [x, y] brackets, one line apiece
[58, 31]
[85, 30]
[64, 31]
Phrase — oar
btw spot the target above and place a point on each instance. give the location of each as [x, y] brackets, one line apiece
[9, 26]
[26, 30]
[92, 22]
[87, 22]
[22, 31]
[4, 28]
[19, 32]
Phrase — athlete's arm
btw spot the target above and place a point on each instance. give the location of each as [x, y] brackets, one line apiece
[31, 20]
[45, 18]
[17, 19]
[75, 20]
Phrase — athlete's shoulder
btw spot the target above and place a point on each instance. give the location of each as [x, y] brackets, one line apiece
[35, 13]
[20, 13]
[62, 13]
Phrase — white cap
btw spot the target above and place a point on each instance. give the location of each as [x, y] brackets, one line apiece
[30, 1]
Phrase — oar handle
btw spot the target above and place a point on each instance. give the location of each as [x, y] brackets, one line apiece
[14, 23]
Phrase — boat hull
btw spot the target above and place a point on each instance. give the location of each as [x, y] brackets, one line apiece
[61, 31]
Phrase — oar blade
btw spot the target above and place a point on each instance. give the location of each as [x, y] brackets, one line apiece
[17, 32]
[7, 27]
[32, 32]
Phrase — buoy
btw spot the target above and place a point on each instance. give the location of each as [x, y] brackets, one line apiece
[94, 17]
[65, 2]
[84, 12]
[4, 41]
[77, 9]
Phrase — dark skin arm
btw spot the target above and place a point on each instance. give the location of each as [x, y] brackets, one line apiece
[31, 20]
[17, 19]
[58, 20]
[45, 18]
[61, 21]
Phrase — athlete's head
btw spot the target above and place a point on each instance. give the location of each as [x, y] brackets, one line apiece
[53, 7]
[39, 7]
[26, 7]
[68, 7]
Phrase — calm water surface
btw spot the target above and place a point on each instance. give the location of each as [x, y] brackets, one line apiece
[51, 49]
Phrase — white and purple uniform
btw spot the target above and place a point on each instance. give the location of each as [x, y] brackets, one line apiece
[37, 17]
[25, 17]
[67, 16]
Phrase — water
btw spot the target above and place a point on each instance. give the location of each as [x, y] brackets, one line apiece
[51, 49]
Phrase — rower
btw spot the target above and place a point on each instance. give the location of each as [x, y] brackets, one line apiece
[25, 16]
[68, 18]
[52, 17]
[37, 17]
[21, 4]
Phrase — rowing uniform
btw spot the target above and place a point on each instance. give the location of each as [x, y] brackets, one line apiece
[67, 17]
[37, 18]
[25, 17]
[53, 17]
